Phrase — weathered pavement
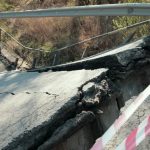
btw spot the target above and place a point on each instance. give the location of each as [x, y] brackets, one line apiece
[139, 115]
[32, 104]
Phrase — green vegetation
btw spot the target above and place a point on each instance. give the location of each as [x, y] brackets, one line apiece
[120, 22]
[48, 46]
[4, 5]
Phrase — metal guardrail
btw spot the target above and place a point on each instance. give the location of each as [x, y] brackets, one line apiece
[125, 9]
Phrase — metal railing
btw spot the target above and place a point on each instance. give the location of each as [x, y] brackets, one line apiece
[124, 9]
[129, 9]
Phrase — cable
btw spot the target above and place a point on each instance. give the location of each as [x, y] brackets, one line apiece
[29, 48]
[81, 42]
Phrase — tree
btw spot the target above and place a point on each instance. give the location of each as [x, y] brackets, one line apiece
[120, 22]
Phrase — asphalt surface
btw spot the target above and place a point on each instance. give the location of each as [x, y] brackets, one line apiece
[33, 101]
[33, 105]
[139, 115]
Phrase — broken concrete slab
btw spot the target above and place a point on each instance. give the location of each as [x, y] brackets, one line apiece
[41, 104]
[71, 126]
[33, 105]
[121, 59]
[105, 94]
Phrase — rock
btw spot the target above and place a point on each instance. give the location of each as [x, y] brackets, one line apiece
[67, 129]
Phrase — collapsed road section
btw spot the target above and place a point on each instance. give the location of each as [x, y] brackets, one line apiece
[68, 107]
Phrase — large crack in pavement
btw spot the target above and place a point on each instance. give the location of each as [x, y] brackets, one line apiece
[94, 94]
[32, 139]
[83, 95]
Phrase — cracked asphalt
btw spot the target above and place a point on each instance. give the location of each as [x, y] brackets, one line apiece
[139, 115]
[39, 100]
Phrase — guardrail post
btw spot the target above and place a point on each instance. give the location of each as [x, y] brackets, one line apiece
[54, 59]
[83, 53]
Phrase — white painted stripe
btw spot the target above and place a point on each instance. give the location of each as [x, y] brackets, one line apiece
[128, 113]
[137, 102]
[140, 136]
[108, 135]
[141, 132]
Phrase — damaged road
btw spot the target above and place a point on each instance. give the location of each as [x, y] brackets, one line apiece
[52, 108]
[32, 106]
[125, 58]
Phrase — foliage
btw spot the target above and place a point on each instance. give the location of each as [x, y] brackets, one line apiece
[4, 5]
[48, 46]
[123, 21]
[53, 33]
